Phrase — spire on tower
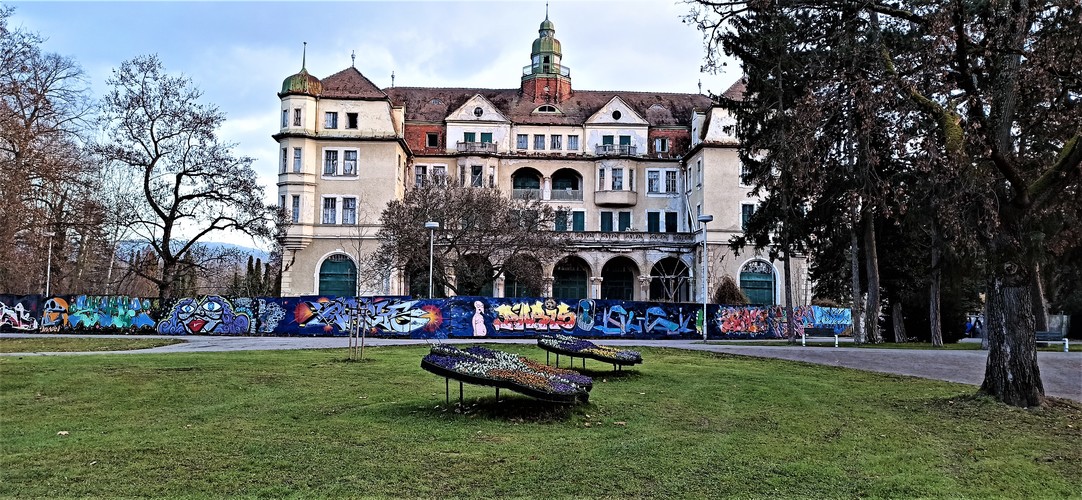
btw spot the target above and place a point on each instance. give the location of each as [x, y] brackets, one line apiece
[353, 58]
[304, 55]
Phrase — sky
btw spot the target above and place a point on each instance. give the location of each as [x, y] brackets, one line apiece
[238, 53]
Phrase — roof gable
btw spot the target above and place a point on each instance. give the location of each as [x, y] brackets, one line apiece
[477, 109]
[616, 112]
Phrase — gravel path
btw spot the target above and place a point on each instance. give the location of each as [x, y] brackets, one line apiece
[1061, 372]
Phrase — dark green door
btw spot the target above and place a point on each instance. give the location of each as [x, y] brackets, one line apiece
[338, 276]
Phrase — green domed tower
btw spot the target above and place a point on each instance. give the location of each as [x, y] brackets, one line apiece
[546, 79]
[302, 82]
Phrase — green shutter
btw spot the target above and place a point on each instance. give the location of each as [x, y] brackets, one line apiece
[625, 221]
[606, 221]
[578, 221]
[486, 137]
[653, 222]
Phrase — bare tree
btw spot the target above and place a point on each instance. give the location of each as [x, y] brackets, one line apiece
[482, 235]
[192, 184]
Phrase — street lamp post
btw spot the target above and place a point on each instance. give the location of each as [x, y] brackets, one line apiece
[432, 226]
[49, 262]
[703, 220]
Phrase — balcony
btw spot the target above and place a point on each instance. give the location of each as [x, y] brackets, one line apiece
[615, 150]
[477, 147]
[566, 194]
[526, 194]
[631, 238]
[615, 198]
[546, 69]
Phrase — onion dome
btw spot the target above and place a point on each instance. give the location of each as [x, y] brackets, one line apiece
[303, 82]
[547, 42]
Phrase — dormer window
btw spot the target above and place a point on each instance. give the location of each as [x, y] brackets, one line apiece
[547, 108]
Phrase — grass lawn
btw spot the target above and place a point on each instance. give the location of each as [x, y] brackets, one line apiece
[959, 346]
[307, 423]
[79, 344]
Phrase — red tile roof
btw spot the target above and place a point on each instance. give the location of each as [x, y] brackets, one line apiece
[350, 83]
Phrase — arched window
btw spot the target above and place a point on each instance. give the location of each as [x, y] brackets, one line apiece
[566, 185]
[526, 184]
[618, 279]
[757, 282]
[670, 281]
[570, 279]
[338, 276]
[473, 276]
[522, 277]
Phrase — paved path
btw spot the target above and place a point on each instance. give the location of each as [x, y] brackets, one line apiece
[1061, 372]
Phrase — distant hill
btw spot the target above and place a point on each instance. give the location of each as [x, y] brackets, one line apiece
[128, 246]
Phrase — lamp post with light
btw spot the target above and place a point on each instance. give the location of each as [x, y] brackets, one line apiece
[703, 220]
[49, 262]
[432, 226]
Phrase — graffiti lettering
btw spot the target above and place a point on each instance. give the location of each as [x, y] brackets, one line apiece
[521, 316]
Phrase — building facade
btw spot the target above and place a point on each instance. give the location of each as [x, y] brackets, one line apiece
[634, 169]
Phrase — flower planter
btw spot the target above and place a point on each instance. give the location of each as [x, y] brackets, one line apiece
[481, 366]
[581, 348]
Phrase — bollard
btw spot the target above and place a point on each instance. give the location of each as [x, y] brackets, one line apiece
[835, 341]
[802, 340]
[1066, 345]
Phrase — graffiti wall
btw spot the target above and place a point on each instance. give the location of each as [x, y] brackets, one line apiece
[456, 317]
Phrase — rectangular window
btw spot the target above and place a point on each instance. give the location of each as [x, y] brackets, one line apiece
[476, 179]
[296, 208]
[522, 141]
[561, 220]
[351, 120]
[601, 180]
[670, 222]
[491, 176]
[653, 222]
[631, 179]
[661, 145]
[618, 179]
[419, 175]
[285, 118]
[746, 211]
[557, 142]
[625, 140]
[653, 181]
[606, 222]
[572, 143]
[330, 211]
[439, 175]
[330, 162]
[699, 170]
[745, 173]
[462, 176]
[432, 140]
[330, 119]
[670, 181]
[349, 163]
[486, 137]
[349, 211]
[539, 142]
[469, 137]
[625, 221]
[282, 202]
[296, 160]
[285, 159]
[296, 117]
[606, 140]
[578, 221]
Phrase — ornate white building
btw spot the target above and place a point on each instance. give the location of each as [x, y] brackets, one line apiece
[635, 169]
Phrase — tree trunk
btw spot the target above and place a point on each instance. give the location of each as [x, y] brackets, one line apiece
[1012, 375]
[899, 322]
[934, 319]
[1040, 311]
[871, 266]
[791, 321]
[167, 287]
[857, 310]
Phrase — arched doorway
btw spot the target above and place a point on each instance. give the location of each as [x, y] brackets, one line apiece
[338, 276]
[570, 279]
[618, 279]
[670, 281]
[522, 277]
[757, 282]
[473, 276]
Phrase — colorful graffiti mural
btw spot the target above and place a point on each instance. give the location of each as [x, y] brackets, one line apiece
[456, 317]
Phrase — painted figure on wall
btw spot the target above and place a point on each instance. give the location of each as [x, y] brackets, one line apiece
[479, 329]
[211, 315]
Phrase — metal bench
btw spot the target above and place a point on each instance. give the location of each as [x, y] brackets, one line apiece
[1049, 338]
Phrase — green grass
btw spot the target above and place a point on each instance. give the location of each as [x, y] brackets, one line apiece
[684, 424]
[960, 346]
[79, 344]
